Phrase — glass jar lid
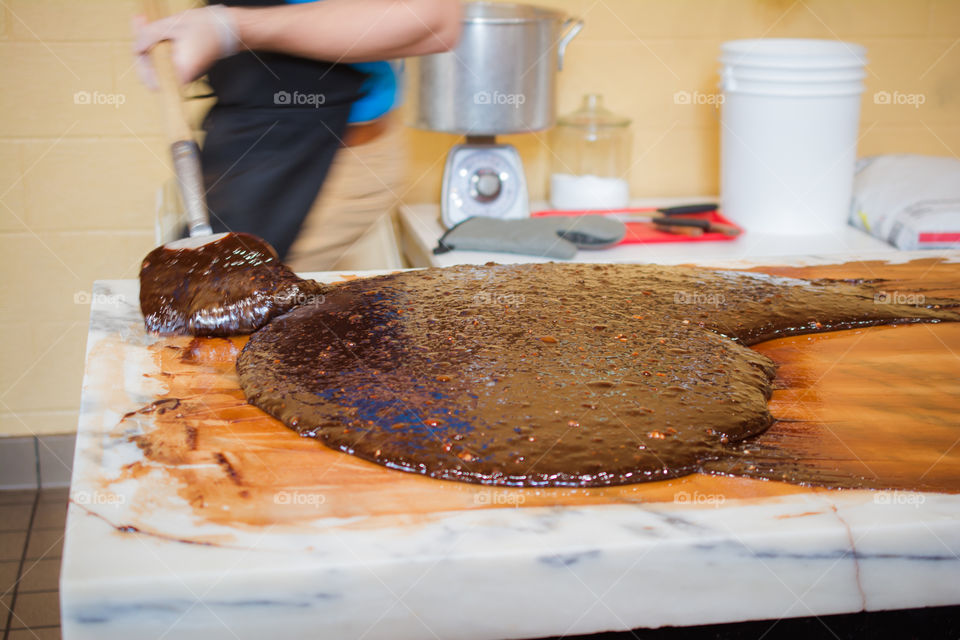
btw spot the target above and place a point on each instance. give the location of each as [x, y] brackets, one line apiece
[592, 115]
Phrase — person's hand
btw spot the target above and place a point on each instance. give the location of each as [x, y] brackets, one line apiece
[199, 37]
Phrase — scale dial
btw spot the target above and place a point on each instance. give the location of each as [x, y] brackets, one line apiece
[483, 180]
[487, 185]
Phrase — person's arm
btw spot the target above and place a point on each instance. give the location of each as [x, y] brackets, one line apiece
[332, 30]
[352, 30]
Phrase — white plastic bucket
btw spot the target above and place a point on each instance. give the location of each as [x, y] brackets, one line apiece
[789, 125]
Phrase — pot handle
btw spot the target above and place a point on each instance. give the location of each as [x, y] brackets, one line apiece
[571, 27]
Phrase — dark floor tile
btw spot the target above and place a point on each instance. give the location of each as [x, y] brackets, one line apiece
[50, 515]
[36, 610]
[40, 575]
[45, 543]
[11, 545]
[42, 633]
[15, 517]
[8, 576]
[55, 495]
[17, 497]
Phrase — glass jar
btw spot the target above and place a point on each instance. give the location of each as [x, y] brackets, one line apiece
[591, 158]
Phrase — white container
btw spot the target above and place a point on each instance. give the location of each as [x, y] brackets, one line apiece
[789, 124]
[591, 158]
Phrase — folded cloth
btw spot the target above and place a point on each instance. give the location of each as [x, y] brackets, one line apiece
[910, 201]
[550, 237]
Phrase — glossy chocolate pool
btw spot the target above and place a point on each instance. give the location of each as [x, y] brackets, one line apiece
[544, 375]
[232, 285]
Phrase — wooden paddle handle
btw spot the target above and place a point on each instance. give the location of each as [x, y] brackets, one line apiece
[183, 148]
[161, 55]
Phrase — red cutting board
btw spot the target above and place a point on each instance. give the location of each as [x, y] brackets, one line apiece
[647, 233]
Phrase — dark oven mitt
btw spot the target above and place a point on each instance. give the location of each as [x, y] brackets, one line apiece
[547, 237]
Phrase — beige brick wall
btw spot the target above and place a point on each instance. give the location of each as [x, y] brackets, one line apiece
[78, 181]
[77, 190]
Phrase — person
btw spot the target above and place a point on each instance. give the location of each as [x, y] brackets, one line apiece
[287, 78]
[351, 223]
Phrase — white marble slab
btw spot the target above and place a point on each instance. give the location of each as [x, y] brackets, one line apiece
[492, 573]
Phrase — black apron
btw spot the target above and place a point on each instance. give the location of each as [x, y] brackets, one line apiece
[271, 137]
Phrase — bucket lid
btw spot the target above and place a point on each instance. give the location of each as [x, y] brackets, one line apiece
[793, 91]
[793, 53]
[794, 76]
[812, 83]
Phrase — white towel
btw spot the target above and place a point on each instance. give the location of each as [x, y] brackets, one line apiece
[910, 201]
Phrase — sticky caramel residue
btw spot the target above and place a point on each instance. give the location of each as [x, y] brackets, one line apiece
[884, 416]
[539, 374]
[236, 465]
[287, 479]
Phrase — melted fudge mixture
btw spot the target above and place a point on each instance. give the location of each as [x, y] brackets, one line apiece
[543, 375]
[232, 285]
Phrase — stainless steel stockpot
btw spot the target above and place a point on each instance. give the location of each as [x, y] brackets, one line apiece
[501, 76]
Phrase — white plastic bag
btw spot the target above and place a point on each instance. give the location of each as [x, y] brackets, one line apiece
[910, 201]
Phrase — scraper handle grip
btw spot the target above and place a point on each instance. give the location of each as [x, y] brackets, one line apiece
[161, 56]
[183, 148]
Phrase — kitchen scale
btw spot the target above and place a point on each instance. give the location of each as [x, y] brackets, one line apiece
[483, 178]
[499, 80]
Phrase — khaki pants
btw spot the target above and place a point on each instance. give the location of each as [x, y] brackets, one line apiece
[361, 189]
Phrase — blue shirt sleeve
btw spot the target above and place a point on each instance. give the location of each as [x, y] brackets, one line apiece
[380, 91]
